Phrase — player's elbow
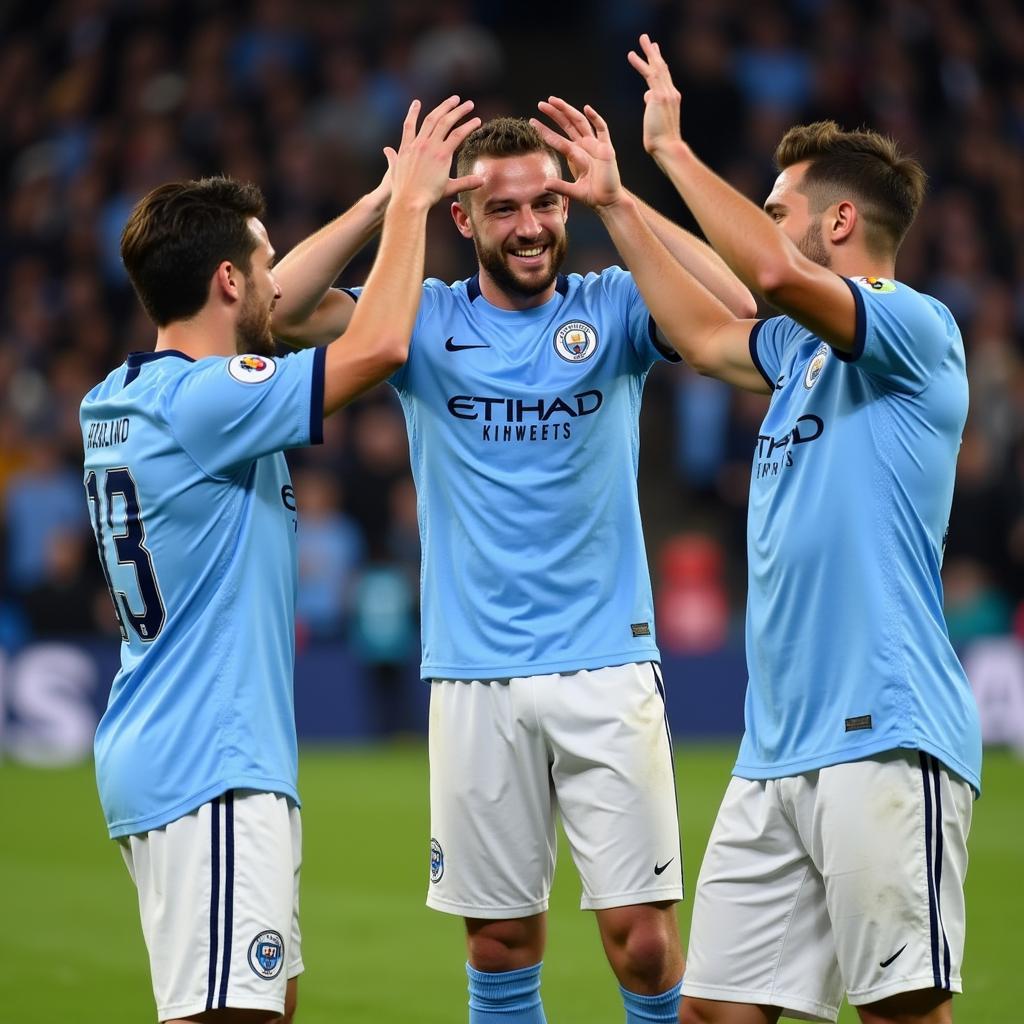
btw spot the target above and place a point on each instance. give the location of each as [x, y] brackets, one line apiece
[744, 307]
[778, 277]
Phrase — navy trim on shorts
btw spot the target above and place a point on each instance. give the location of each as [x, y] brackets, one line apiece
[214, 895]
[229, 891]
[933, 865]
[660, 684]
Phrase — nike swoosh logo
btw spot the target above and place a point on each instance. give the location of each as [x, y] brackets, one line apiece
[885, 963]
[452, 347]
[658, 868]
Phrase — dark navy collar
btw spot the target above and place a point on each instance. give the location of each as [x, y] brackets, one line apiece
[136, 359]
[473, 286]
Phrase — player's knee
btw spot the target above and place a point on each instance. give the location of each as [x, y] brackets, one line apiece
[645, 953]
[496, 946]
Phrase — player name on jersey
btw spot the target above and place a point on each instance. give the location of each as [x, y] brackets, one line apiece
[105, 433]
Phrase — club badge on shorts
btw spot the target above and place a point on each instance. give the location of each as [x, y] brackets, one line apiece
[436, 861]
[266, 955]
[575, 341]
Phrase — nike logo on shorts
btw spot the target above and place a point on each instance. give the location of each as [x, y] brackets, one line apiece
[885, 963]
[659, 868]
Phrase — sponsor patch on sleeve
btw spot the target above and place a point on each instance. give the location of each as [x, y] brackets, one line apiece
[876, 284]
[252, 369]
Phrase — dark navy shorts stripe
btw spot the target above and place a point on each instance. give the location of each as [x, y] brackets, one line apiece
[229, 891]
[660, 684]
[931, 780]
[214, 896]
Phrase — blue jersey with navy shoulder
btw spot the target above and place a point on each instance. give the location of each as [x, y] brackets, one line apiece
[523, 431]
[195, 518]
[847, 649]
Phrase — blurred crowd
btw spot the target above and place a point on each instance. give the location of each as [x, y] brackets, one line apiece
[100, 100]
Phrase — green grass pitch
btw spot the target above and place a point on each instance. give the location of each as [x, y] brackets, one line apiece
[71, 947]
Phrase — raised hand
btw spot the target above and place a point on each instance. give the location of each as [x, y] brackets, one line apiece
[662, 99]
[419, 171]
[587, 148]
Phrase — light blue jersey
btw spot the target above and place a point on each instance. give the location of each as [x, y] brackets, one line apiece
[195, 518]
[523, 429]
[852, 481]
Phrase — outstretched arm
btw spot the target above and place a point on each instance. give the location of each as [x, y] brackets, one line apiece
[744, 236]
[696, 256]
[376, 342]
[697, 324]
[310, 311]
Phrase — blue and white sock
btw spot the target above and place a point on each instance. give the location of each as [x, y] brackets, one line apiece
[659, 1009]
[506, 997]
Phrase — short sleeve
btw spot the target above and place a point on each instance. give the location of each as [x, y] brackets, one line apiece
[429, 299]
[768, 341]
[228, 412]
[622, 293]
[901, 335]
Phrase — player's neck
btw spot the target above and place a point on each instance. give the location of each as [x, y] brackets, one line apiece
[502, 299]
[200, 336]
[857, 263]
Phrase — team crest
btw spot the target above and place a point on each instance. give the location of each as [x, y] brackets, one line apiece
[815, 367]
[876, 284]
[575, 341]
[252, 369]
[436, 861]
[266, 955]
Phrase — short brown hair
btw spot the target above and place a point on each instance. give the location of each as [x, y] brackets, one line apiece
[887, 186]
[179, 234]
[501, 136]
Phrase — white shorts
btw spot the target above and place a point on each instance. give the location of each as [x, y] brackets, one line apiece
[849, 878]
[219, 900]
[507, 755]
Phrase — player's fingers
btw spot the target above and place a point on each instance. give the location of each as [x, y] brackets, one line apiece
[466, 183]
[562, 187]
[556, 115]
[409, 124]
[431, 120]
[458, 134]
[576, 117]
[391, 156]
[599, 123]
[640, 64]
[448, 121]
[559, 143]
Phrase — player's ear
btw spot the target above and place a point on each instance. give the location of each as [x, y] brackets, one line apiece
[226, 280]
[843, 221]
[462, 221]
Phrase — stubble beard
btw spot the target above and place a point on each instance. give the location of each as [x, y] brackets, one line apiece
[812, 245]
[252, 332]
[495, 262]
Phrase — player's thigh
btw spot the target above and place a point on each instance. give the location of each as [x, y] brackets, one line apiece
[890, 836]
[491, 814]
[760, 933]
[614, 778]
[218, 895]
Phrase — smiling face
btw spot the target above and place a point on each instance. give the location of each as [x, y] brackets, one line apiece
[518, 228]
[252, 330]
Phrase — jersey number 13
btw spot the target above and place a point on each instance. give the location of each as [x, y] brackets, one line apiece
[129, 546]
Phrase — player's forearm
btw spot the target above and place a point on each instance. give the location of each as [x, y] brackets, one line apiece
[686, 312]
[376, 342]
[741, 233]
[701, 261]
[302, 315]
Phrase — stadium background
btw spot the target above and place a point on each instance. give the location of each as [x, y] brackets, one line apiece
[100, 100]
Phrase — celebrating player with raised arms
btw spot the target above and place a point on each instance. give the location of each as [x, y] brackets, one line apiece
[521, 394]
[195, 519]
[838, 857]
